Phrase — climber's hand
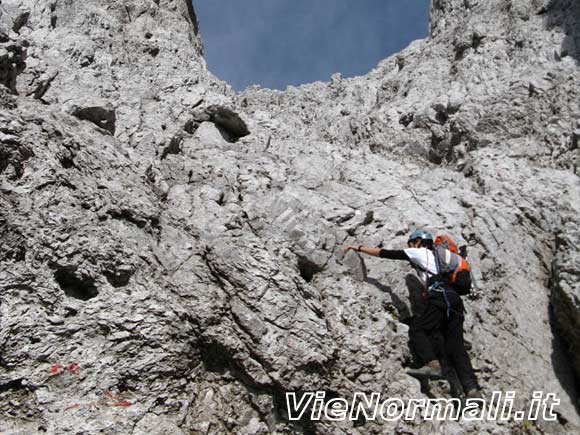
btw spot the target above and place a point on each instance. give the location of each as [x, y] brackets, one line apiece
[348, 248]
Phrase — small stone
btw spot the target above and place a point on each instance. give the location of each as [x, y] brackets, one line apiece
[55, 320]
[118, 336]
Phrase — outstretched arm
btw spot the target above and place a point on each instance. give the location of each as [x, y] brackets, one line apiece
[375, 252]
[379, 252]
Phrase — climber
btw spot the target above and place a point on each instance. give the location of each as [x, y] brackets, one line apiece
[443, 312]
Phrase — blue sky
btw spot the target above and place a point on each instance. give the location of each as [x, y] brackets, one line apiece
[275, 43]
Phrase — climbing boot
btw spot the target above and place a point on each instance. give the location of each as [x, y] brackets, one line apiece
[431, 370]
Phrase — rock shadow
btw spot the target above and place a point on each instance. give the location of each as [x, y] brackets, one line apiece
[563, 365]
[415, 288]
[565, 14]
[401, 307]
[225, 135]
[77, 286]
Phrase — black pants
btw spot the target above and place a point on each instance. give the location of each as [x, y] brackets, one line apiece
[435, 319]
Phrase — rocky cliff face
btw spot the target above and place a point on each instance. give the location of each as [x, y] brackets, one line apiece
[162, 272]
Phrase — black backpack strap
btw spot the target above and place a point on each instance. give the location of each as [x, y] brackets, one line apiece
[438, 281]
[435, 278]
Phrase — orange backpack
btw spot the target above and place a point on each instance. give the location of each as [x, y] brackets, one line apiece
[453, 268]
[447, 242]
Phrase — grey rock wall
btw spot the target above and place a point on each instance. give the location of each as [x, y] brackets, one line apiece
[161, 273]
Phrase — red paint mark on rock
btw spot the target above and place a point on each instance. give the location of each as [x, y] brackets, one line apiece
[116, 402]
[74, 368]
[78, 405]
[56, 369]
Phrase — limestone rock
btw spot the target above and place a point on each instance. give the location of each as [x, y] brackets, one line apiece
[157, 278]
[357, 266]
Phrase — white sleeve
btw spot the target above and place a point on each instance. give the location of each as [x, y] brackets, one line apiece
[423, 258]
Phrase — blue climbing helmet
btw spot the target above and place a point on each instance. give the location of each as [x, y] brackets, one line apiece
[420, 234]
